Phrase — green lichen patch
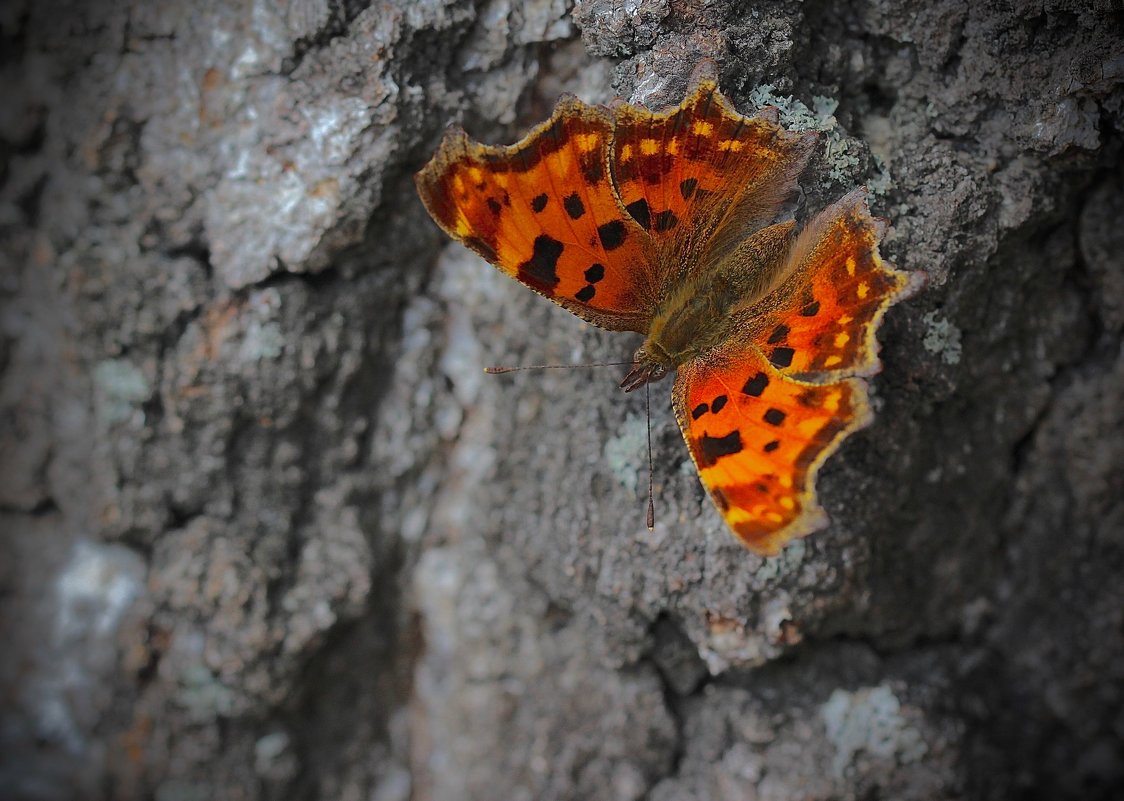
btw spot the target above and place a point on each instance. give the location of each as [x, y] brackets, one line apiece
[941, 338]
[626, 453]
[843, 154]
[869, 721]
[122, 386]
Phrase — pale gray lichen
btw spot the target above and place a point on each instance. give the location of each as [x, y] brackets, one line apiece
[263, 340]
[869, 721]
[626, 453]
[263, 337]
[881, 182]
[122, 386]
[202, 695]
[842, 153]
[941, 337]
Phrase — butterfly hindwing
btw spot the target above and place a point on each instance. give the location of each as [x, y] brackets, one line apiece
[545, 212]
[758, 438]
[826, 316]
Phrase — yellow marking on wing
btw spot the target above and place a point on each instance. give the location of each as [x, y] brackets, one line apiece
[476, 174]
[863, 290]
[672, 147]
[831, 361]
[626, 152]
[587, 142]
[842, 339]
[785, 481]
[732, 145]
[649, 147]
[737, 514]
[787, 503]
[702, 127]
[850, 265]
[846, 318]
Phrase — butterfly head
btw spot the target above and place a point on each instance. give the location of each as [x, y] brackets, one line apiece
[648, 366]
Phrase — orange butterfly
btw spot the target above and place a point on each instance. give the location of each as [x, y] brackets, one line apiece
[664, 223]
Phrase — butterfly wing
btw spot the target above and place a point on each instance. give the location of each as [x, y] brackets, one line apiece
[758, 439]
[821, 323]
[762, 413]
[701, 176]
[545, 212]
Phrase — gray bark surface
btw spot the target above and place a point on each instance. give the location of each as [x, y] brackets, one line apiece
[268, 532]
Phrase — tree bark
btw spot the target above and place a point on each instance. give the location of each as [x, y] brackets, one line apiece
[269, 532]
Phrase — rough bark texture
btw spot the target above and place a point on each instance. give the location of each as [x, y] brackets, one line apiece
[268, 533]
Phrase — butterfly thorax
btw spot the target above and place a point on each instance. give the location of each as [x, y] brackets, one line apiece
[705, 309]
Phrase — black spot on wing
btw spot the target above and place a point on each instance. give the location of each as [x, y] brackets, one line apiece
[717, 404]
[595, 273]
[494, 206]
[612, 234]
[592, 168]
[539, 270]
[665, 221]
[774, 417]
[586, 293]
[771, 446]
[688, 187]
[574, 206]
[711, 449]
[811, 309]
[641, 212]
[779, 334]
[538, 202]
[782, 357]
[756, 385]
[699, 411]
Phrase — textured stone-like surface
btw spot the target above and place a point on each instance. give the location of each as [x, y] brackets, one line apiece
[268, 532]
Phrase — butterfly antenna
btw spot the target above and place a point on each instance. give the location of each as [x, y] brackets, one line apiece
[651, 520]
[501, 370]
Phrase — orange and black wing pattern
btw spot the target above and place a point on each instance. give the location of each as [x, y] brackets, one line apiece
[758, 438]
[689, 172]
[822, 322]
[762, 414]
[545, 211]
[611, 212]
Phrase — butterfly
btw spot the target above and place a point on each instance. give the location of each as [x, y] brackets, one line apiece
[672, 224]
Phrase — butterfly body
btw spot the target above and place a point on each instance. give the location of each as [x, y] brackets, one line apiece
[708, 308]
[676, 225]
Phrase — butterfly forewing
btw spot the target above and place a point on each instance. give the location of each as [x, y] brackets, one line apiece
[702, 176]
[545, 212]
